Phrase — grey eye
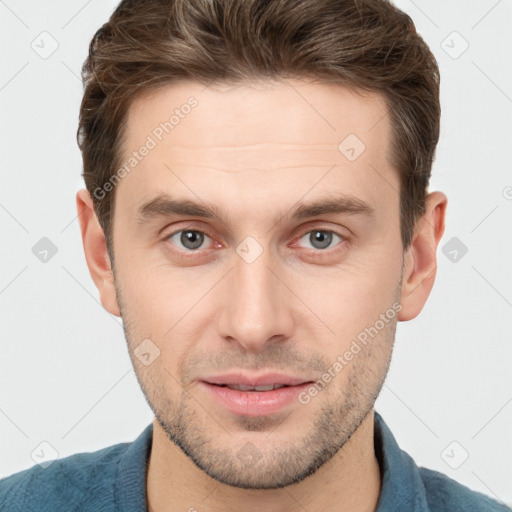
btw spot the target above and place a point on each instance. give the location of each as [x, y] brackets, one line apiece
[189, 238]
[319, 238]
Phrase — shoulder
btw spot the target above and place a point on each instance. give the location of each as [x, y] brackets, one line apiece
[65, 483]
[443, 493]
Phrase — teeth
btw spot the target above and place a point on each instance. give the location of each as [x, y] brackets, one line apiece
[240, 387]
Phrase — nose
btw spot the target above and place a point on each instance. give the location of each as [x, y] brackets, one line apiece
[256, 306]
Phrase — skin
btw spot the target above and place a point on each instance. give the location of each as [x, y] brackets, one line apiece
[255, 151]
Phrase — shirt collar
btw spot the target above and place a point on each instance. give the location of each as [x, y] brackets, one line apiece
[130, 490]
[402, 487]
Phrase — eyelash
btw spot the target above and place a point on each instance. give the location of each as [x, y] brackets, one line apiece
[316, 252]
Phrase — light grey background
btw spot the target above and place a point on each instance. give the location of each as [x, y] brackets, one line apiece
[65, 376]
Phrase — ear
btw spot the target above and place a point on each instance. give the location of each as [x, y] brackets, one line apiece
[96, 254]
[420, 261]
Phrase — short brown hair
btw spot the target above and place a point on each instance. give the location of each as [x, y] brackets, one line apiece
[368, 45]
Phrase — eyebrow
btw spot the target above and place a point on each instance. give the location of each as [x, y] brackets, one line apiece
[167, 206]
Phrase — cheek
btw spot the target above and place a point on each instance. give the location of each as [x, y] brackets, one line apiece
[165, 305]
[350, 299]
[151, 290]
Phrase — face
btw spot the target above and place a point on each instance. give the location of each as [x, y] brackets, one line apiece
[224, 267]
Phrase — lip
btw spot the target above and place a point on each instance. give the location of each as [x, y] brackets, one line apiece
[255, 380]
[254, 403]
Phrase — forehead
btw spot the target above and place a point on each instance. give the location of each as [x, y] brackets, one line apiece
[287, 112]
[258, 140]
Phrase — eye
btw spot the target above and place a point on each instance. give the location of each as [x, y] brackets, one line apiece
[320, 238]
[190, 239]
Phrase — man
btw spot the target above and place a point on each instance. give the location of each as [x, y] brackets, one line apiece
[257, 212]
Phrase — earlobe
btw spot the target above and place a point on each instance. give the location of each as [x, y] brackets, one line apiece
[95, 251]
[420, 262]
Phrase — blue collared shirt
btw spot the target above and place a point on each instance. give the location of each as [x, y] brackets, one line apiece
[114, 479]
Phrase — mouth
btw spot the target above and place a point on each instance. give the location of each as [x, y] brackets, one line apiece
[241, 387]
[255, 381]
[256, 398]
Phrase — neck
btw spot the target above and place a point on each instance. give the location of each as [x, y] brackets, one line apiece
[349, 481]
